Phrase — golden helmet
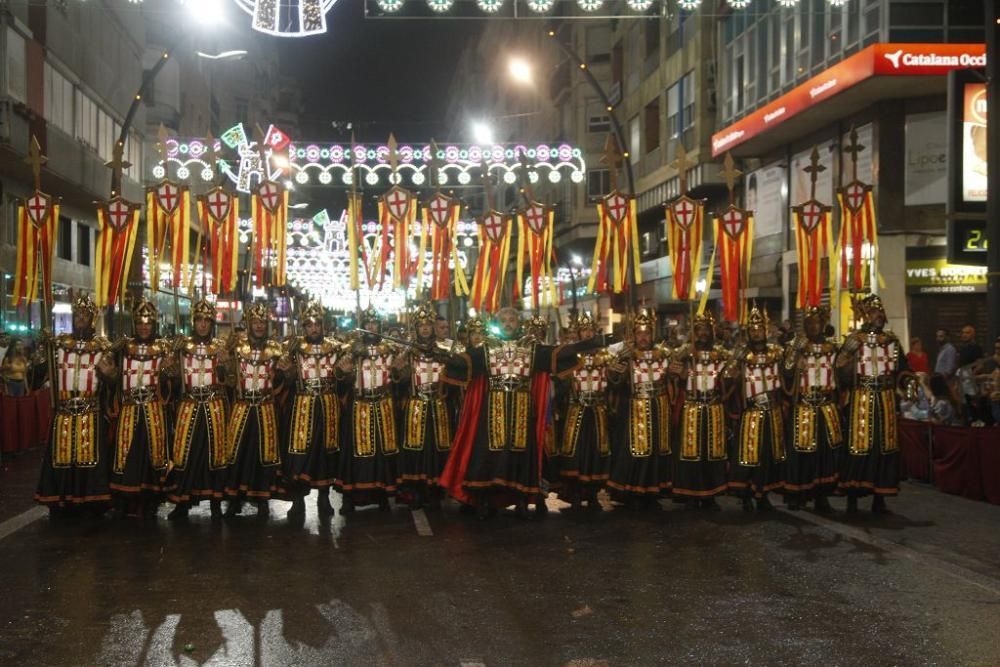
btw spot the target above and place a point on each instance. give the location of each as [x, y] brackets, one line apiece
[370, 315]
[203, 310]
[819, 312]
[706, 318]
[84, 304]
[475, 324]
[257, 311]
[645, 319]
[757, 318]
[584, 321]
[312, 312]
[425, 313]
[872, 301]
[144, 311]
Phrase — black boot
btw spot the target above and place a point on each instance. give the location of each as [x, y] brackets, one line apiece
[710, 504]
[348, 506]
[483, 510]
[383, 503]
[263, 509]
[418, 500]
[323, 506]
[747, 501]
[179, 512]
[234, 507]
[822, 505]
[521, 509]
[764, 504]
[852, 504]
[541, 508]
[216, 507]
[120, 510]
[298, 509]
[794, 502]
[879, 506]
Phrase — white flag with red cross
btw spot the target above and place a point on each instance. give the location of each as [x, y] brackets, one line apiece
[269, 209]
[685, 222]
[168, 216]
[534, 247]
[117, 227]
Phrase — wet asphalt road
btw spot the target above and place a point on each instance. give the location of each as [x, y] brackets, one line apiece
[921, 586]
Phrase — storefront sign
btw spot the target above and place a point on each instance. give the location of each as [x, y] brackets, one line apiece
[875, 60]
[928, 276]
[974, 142]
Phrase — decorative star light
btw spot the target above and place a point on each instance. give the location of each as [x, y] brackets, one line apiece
[440, 6]
[541, 6]
[689, 5]
[490, 6]
[590, 5]
[837, 3]
[738, 4]
[639, 5]
[787, 3]
[389, 6]
[266, 16]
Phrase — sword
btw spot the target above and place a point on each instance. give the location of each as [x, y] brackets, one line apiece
[430, 349]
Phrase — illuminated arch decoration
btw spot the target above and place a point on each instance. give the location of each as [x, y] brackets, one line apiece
[297, 163]
[288, 18]
[319, 256]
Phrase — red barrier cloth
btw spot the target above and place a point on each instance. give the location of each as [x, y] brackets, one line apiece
[8, 424]
[914, 445]
[956, 462]
[989, 462]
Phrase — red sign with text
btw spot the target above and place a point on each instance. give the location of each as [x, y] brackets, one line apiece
[875, 60]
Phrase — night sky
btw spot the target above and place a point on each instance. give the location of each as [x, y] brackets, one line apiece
[382, 75]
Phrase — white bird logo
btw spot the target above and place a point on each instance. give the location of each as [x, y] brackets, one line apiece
[894, 58]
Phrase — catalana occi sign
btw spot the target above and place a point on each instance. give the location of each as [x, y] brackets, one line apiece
[875, 60]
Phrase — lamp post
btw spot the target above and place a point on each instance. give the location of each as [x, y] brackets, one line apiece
[603, 95]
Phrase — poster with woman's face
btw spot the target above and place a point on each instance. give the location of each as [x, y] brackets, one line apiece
[974, 143]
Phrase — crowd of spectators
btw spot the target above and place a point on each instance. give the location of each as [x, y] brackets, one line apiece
[964, 387]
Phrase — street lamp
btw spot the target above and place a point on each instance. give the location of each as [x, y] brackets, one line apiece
[520, 70]
[482, 133]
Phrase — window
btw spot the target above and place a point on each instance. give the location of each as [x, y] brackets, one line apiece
[599, 123]
[681, 103]
[64, 248]
[58, 100]
[83, 244]
[17, 80]
[652, 49]
[652, 119]
[598, 183]
[86, 119]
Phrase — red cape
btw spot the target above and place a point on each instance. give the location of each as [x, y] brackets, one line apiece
[461, 447]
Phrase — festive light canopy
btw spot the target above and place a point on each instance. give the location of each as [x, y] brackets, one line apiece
[335, 165]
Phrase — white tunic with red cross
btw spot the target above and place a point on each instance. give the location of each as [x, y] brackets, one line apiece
[427, 372]
[141, 366]
[761, 373]
[318, 362]
[818, 375]
[649, 367]
[705, 375]
[199, 366]
[878, 356]
[255, 371]
[374, 369]
[76, 364]
[591, 377]
[510, 359]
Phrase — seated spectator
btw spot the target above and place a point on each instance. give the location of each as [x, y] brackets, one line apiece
[944, 409]
[916, 404]
[917, 358]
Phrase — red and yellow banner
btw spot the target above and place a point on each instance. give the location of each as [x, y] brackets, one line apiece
[534, 247]
[857, 228]
[617, 243]
[814, 241]
[117, 228]
[219, 212]
[168, 215]
[734, 248]
[685, 225]
[491, 267]
[440, 221]
[397, 213]
[36, 241]
[269, 208]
